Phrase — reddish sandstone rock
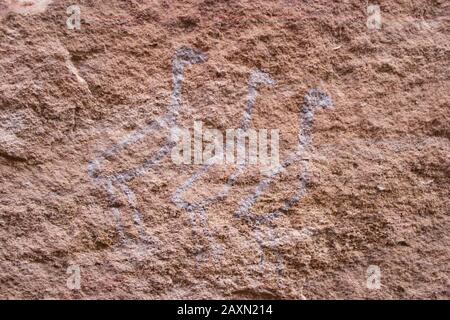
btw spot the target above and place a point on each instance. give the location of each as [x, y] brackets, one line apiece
[374, 177]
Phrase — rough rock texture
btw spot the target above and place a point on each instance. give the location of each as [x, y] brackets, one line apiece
[83, 115]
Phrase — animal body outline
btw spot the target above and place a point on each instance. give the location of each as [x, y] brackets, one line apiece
[182, 58]
[118, 182]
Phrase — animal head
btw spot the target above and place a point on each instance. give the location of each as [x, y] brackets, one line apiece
[258, 78]
[186, 56]
[316, 98]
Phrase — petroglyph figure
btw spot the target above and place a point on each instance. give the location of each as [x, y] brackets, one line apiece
[265, 235]
[314, 99]
[257, 78]
[115, 183]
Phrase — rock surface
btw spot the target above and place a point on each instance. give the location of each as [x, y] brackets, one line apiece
[84, 113]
